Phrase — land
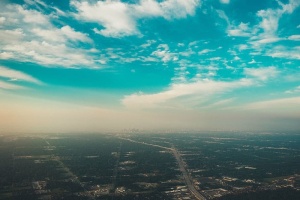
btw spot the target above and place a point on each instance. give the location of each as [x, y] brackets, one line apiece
[131, 165]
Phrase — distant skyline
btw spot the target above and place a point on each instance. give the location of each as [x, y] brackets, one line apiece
[92, 66]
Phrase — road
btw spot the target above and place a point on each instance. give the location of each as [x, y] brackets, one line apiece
[187, 178]
[67, 170]
[115, 172]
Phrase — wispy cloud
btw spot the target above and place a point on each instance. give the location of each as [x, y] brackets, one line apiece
[2, 20]
[198, 90]
[220, 103]
[294, 90]
[284, 52]
[120, 19]
[262, 73]
[63, 34]
[269, 22]
[294, 37]
[187, 93]
[164, 53]
[292, 104]
[14, 75]
[242, 30]
[205, 51]
[41, 6]
[261, 36]
[225, 1]
[9, 86]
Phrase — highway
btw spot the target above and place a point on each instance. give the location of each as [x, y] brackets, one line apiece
[115, 173]
[187, 178]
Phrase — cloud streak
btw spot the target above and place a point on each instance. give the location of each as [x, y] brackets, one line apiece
[199, 90]
[9, 86]
[14, 75]
[263, 73]
[283, 106]
[184, 93]
[119, 19]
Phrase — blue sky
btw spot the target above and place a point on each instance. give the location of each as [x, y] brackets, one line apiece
[166, 64]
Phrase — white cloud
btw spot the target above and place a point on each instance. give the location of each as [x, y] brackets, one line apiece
[252, 62]
[262, 73]
[169, 9]
[236, 58]
[113, 15]
[225, 1]
[294, 90]
[242, 47]
[119, 19]
[30, 16]
[223, 16]
[267, 40]
[215, 58]
[186, 53]
[232, 52]
[164, 53]
[97, 31]
[290, 7]
[294, 37]
[198, 90]
[49, 54]
[6, 55]
[242, 30]
[71, 34]
[193, 44]
[17, 75]
[205, 51]
[9, 86]
[9, 36]
[35, 2]
[266, 31]
[53, 35]
[63, 34]
[148, 8]
[270, 20]
[285, 52]
[179, 8]
[2, 20]
[238, 33]
[220, 103]
[277, 104]
[26, 39]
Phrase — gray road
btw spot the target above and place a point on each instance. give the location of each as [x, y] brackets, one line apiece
[186, 176]
[188, 180]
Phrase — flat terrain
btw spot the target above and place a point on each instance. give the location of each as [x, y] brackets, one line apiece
[150, 166]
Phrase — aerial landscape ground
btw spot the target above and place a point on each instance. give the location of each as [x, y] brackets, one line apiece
[211, 165]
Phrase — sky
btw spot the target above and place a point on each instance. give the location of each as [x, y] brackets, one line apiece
[92, 66]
